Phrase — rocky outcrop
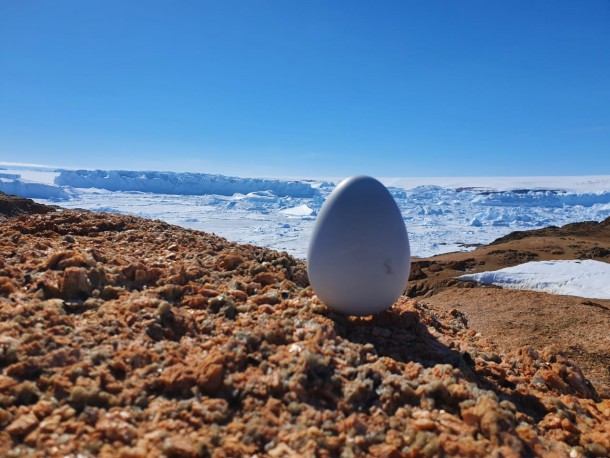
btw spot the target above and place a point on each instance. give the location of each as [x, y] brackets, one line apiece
[15, 206]
[127, 337]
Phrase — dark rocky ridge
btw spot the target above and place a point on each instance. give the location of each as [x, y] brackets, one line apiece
[587, 229]
[15, 206]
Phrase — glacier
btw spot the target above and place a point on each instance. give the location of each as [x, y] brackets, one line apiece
[12, 184]
[179, 183]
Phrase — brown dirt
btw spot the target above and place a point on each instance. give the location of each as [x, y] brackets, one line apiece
[126, 337]
[578, 327]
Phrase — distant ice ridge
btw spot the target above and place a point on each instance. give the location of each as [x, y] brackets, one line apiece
[541, 198]
[10, 176]
[180, 183]
[33, 190]
[585, 278]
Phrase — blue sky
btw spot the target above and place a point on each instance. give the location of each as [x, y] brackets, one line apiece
[308, 88]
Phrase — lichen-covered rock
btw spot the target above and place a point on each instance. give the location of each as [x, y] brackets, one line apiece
[75, 284]
[135, 338]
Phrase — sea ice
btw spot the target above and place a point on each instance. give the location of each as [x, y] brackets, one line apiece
[299, 210]
[441, 214]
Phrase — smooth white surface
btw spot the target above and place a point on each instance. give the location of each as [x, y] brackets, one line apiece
[299, 210]
[586, 278]
[358, 256]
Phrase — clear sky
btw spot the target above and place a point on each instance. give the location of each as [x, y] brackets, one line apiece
[308, 88]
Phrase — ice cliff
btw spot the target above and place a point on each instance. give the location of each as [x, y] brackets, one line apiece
[180, 183]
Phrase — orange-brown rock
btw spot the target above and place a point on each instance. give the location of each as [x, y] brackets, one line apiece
[199, 355]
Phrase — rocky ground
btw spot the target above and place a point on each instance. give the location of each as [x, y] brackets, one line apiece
[580, 327]
[126, 337]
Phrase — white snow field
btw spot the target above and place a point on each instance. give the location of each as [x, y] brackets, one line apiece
[441, 214]
[587, 278]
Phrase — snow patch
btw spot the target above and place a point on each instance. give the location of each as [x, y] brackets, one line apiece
[586, 278]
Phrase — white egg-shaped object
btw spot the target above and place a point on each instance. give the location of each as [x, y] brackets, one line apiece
[358, 258]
